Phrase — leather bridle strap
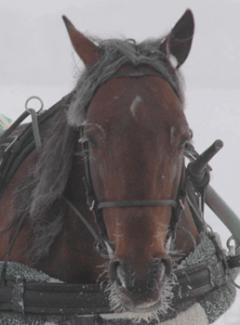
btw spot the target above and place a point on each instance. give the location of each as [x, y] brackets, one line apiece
[136, 203]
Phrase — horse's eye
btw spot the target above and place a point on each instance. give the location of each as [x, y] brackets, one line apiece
[92, 141]
[183, 144]
[186, 139]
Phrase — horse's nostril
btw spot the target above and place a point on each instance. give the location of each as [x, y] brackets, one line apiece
[160, 268]
[118, 274]
[121, 281]
[168, 266]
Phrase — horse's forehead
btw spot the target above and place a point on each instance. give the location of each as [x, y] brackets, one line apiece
[142, 100]
[135, 106]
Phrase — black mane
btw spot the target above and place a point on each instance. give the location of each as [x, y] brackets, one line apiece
[38, 199]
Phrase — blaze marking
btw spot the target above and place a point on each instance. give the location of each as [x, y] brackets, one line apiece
[135, 104]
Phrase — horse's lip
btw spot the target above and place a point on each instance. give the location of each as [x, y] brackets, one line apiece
[148, 308]
[145, 307]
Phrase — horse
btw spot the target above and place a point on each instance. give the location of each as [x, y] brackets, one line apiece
[111, 169]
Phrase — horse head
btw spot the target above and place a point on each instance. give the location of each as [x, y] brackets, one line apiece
[135, 128]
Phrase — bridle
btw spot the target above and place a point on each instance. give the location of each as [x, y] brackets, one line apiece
[103, 244]
[201, 279]
[96, 207]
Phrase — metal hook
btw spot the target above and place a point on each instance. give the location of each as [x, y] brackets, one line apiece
[30, 99]
[232, 246]
[34, 115]
[209, 230]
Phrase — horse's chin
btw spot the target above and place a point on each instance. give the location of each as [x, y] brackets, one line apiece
[120, 303]
[146, 307]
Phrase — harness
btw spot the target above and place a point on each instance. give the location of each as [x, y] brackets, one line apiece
[18, 141]
[190, 183]
[96, 207]
[194, 282]
[103, 243]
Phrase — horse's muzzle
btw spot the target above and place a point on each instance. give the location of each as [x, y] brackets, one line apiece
[139, 289]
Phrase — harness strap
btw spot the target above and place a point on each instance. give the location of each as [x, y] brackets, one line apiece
[17, 142]
[14, 126]
[143, 70]
[67, 299]
[102, 245]
[83, 220]
[35, 128]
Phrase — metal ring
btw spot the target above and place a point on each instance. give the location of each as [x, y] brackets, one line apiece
[132, 41]
[28, 109]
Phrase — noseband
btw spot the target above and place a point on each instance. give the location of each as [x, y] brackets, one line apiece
[136, 203]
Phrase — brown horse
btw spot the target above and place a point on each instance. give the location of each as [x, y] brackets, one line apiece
[117, 142]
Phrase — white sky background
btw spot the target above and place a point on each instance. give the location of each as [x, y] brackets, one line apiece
[36, 58]
[35, 48]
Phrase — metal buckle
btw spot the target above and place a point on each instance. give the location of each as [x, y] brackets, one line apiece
[92, 205]
[232, 251]
[232, 246]
[182, 205]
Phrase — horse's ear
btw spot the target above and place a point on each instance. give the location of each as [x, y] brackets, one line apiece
[86, 49]
[178, 42]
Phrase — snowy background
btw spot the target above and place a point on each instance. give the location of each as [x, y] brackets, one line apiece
[36, 59]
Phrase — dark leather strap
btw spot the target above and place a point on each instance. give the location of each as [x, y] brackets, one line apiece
[144, 70]
[60, 298]
[22, 142]
[137, 203]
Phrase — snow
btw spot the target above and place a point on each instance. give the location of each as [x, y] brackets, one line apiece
[36, 59]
